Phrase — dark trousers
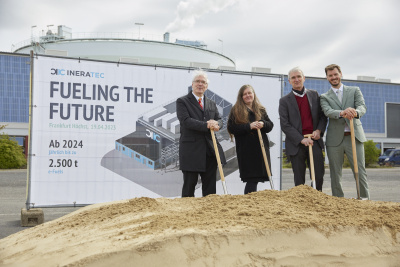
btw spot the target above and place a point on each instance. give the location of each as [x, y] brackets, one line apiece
[208, 179]
[250, 187]
[299, 165]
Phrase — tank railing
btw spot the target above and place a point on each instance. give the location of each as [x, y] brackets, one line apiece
[118, 35]
[90, 35]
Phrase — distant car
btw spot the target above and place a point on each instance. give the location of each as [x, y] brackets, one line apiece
[391, 157]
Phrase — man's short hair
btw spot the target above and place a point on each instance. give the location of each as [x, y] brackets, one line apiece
[198, 73]
[332, 67]
[295, 69]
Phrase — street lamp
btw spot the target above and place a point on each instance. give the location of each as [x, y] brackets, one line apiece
[32, 41]
[139, 24]
[222, 46]
[34, 26]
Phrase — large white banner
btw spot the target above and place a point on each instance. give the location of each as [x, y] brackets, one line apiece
[106, 131]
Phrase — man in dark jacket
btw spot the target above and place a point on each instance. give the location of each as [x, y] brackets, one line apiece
[197, 115]
[301, 114]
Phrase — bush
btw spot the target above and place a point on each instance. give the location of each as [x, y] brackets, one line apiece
[346, 162]
[11, 154]
[371, 153]
[286, 163]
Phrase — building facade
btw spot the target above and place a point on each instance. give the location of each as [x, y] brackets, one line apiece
[14, 95]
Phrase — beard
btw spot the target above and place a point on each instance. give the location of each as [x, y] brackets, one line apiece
[335, 82]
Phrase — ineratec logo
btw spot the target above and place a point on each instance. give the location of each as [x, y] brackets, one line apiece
[153, 136]
[78, 73]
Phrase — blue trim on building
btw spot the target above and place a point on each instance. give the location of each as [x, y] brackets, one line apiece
[136, 156]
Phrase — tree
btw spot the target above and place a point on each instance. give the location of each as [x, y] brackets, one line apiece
[11, 154]
[371, 153]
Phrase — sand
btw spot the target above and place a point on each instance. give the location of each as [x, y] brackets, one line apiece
[297, 227]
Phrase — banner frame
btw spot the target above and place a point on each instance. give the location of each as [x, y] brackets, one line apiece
[30, 205]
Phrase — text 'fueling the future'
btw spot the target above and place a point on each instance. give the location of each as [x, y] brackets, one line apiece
[81, 93]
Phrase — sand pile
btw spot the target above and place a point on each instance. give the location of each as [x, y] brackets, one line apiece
[297, 227]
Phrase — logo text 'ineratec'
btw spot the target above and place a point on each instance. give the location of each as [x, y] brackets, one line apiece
[78, 73]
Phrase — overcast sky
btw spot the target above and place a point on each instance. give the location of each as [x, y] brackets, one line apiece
[362, 36]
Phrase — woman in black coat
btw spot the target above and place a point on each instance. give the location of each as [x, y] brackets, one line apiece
[246, 116]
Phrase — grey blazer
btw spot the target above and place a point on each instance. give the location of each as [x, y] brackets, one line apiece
[290, 120]
[195, 137]
[352, 97]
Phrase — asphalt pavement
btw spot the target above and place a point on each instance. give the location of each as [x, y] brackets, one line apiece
[384, 184]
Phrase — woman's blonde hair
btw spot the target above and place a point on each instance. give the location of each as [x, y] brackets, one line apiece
[240, 113]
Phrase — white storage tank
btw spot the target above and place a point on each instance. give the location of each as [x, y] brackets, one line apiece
[124, 48]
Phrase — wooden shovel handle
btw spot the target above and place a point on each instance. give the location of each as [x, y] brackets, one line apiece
[264, 153]
[355, 164]
[353, 146]
[221, 173]
[311, 159]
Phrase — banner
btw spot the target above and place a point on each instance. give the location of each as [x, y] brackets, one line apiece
[105, 131]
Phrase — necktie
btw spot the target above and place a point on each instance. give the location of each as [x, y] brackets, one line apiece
[339, 95]
[200, 103]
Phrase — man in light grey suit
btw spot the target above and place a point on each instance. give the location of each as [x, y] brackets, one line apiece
[341, 104]
[300, 114]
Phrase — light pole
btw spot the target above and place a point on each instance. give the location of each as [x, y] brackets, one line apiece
[32, 41]
[34, 26]
[222, 46]
[139, 24]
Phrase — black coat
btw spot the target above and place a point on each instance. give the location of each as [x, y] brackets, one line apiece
[195, 138]
[248, 148]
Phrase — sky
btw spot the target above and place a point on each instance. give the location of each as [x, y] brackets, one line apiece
[362, 36]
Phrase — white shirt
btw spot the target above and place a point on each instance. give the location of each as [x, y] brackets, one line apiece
[297, 94]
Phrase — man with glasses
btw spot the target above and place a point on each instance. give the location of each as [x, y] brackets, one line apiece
[197, 115]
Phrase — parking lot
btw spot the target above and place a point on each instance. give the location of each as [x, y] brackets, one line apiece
[384, 184]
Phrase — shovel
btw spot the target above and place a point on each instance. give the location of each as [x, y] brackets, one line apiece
[221, 173]
[353, 146]
[311, 162]
[265, 158]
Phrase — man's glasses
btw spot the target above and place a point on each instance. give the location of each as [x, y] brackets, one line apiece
[200, 81]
